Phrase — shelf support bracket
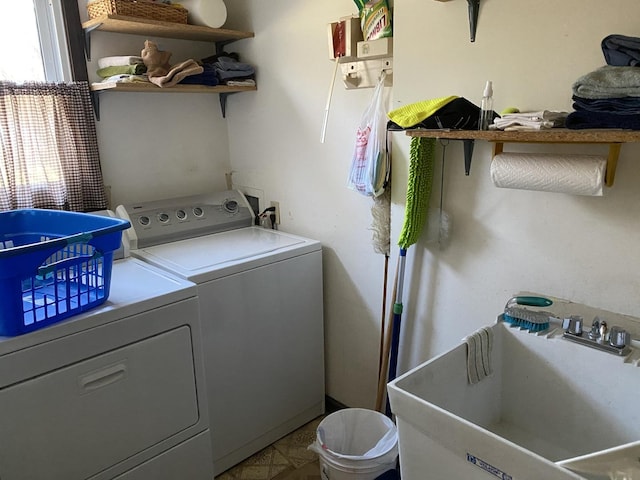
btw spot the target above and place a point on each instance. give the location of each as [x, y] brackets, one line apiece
[612, 163]
[223, 102]
[468, 145]
[95, 101]
[87, 41]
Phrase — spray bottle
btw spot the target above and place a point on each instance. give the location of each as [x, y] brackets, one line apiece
[486, 108]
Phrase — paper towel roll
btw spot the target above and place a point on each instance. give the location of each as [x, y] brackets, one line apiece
[573, 174]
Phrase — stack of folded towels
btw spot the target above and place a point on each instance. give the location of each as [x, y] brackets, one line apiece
[609, 97]
[124, 68]
[230, 71]
[525, 121]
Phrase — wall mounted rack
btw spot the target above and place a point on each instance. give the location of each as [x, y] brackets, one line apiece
[613, 138]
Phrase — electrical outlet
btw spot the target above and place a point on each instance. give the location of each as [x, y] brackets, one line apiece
[277, 205]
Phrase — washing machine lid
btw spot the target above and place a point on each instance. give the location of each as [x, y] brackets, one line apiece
[212, 256]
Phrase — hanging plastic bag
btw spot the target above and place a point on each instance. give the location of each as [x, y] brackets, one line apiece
[370, 164]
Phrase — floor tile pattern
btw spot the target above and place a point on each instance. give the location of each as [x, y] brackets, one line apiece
[286, 459]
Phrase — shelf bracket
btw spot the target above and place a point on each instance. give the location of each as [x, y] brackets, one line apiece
[612, 163]
[87, 40]
[95, 101]
[223, 102]
[468, 145]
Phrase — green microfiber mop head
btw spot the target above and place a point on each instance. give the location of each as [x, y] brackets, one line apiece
[421, 166]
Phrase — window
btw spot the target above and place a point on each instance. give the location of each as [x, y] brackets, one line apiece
[48, 145]
[34, 42]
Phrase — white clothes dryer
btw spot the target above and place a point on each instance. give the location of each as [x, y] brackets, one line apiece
[114, 393]
[260, 296]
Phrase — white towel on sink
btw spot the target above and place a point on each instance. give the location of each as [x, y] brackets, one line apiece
[479, 346]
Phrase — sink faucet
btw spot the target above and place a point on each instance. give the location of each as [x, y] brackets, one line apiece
[615, 340]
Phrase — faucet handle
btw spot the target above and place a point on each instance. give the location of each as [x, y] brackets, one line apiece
[573, 325]
[619, 337]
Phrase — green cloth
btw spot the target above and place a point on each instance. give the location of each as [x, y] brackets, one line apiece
[137, 69]
[414, 113]
[421, 167]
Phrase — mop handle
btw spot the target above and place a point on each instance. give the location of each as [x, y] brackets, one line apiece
[403, 259]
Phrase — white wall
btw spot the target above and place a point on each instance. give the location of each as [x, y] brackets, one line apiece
[502, 241]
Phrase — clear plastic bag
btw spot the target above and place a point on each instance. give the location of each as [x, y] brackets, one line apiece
[370, 163]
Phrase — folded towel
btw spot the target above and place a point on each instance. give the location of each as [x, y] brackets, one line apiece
[125, 78]
[207, 77]
[581, 120]
[241, 83]
[137, 69]
[230, 63]
[228, 68]
[530, 120]
[118, 61]
[458, 114]
[623, 105]
[177, 73]
[609, 82]
[414, 113]
[479, 347]
[621, 51]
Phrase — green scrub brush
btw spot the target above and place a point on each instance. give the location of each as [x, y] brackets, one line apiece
[532, 320]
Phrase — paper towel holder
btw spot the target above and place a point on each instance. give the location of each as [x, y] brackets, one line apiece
[612, 160]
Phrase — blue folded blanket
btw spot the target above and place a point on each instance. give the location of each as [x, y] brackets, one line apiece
[621, 51]
[623, 105]
[208, 77]
[580, 120]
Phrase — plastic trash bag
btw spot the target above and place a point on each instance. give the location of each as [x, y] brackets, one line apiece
[370, 163]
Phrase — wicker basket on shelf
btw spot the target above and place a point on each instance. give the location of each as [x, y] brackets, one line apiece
[137, 8]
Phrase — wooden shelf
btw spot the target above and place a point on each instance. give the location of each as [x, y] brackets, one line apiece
[155, 28]
[613, 138]
[143, 26]
[553, 135]
[141, 87]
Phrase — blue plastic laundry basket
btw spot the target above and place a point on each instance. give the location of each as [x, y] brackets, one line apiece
[53, 264]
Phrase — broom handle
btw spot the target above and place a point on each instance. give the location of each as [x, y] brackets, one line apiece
[382, 378]
[383, 316]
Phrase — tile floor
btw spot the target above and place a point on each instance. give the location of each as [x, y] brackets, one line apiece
[286, 459]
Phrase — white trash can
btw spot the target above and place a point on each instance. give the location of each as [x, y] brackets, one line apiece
[356, 444]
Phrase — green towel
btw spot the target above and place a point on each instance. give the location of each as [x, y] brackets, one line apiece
[414, 113]
[421, 166]
[137, 69]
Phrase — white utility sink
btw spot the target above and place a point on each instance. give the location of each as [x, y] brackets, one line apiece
[551, 409]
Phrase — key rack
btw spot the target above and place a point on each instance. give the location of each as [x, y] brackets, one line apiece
[614, 138]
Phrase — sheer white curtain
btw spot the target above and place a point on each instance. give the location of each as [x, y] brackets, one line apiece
[48, 148]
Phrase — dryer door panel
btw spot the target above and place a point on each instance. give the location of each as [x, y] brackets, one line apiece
[81, 419]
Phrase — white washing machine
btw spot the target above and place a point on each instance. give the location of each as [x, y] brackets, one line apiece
[114, 393]
[260, 296]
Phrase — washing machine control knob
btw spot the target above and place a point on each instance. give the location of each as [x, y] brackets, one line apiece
[230, 206]
[163, 217]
